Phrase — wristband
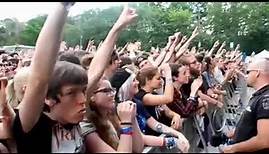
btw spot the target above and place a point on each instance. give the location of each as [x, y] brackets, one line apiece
[193, 98]
[126, 123]
[168, 81]
[126, 131]
[169, 142]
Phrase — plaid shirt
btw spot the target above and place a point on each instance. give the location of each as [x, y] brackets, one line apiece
[183, 106]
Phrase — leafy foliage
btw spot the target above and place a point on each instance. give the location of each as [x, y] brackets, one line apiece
[241, 22]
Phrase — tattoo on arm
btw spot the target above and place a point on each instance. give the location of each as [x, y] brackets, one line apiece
[159, 128]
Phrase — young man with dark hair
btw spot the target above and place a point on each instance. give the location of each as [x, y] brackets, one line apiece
[56, 130]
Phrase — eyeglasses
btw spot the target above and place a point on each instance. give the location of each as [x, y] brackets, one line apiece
[106, 90]
[194, 62]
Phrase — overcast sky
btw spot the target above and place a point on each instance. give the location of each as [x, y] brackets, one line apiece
[24, 11]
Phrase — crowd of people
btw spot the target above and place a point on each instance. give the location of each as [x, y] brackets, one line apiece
[121, 99]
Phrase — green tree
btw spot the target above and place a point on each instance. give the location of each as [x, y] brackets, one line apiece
[72, 35]
[32, 29]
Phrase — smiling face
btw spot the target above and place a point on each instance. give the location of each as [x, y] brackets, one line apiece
[103, 97]
[183, 75]
[134, 87]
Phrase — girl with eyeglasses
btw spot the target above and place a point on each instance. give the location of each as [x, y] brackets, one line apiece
[115, 124]
[126, 84]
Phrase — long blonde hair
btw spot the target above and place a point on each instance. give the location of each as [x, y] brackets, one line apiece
[102, 126]
[15, 86]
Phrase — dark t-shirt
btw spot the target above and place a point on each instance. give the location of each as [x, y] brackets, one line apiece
[258, 108]
[154, 111]
[37, 140]
[142, 115]
[47, 136]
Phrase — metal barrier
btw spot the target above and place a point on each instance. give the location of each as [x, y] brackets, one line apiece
[232, 112]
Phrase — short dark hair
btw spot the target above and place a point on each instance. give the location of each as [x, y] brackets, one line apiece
[114, 56]
[65, 73]
[125, 61]
[70, 57]
[200, 57]
[140, 58]
[208, 61]
[13, 54]
[174, 69]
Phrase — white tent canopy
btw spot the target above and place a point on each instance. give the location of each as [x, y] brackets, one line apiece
[262, 54]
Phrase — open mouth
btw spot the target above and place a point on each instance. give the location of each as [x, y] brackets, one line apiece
[83, 111]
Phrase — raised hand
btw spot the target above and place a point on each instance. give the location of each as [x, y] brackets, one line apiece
[182, 143]
[237, 47]
[229, 73]
[126, 111]
[195, 32]
[223, 44]
[128, 15]
[216, 44]
[68, 5]
[177, 34]
[171, 39]
[184, 39]
[196, 84]
[193, 50]
[5, 127]
[165, 69]
[176, 122]
[3, 100]
[219, 104]
[178, 37]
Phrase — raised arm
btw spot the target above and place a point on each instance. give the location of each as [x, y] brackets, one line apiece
[171, 51]
[163, 53]
[160, 58]
[101, 59]
[182, 41]
[167, 97]
[47, 47]
[187, 43]
[215, 45]
[6, 112]
[221, 47]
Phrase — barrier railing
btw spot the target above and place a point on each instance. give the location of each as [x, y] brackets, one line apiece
[230, 118]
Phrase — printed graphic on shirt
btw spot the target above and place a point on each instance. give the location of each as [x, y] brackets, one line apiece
[265, 103]
[67, 141]
[248, 109]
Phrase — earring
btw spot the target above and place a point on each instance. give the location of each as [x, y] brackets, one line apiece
[92, 98]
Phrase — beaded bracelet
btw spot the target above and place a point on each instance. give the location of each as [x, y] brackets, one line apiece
[126, 131]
